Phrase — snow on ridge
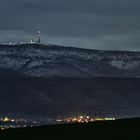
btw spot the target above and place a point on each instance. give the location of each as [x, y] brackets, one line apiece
[66, 62]
[124, 65]
[14, 64]
[54, 71]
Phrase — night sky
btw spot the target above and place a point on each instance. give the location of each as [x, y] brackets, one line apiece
[96, 24]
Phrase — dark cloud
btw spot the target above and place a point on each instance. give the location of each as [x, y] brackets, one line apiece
[97, 24]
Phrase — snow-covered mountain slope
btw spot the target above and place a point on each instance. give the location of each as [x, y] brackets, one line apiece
[51, 60]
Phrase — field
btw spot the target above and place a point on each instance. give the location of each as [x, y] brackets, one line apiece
[128, 129]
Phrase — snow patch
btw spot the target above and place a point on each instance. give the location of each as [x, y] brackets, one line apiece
[120, 64]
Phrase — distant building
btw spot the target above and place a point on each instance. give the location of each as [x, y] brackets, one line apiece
[39, 39]
[32, 41]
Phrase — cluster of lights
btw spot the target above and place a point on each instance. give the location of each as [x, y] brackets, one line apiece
[83, 119]
[80, 119]
[6, 119]
[7, 123]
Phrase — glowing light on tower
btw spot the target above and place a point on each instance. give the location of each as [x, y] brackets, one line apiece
[39, 37]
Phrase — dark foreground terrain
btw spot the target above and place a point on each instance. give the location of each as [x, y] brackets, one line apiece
[119, 97]
[128, 129]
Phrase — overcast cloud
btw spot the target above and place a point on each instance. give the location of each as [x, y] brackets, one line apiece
[96, 24]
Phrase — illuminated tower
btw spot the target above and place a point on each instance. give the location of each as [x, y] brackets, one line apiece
[39, 37]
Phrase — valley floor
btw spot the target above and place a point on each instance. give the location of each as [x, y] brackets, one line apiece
[127, 129]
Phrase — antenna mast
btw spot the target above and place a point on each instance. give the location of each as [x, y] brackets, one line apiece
[39, 37]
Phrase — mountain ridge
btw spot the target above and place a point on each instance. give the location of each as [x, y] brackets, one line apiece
[59, 81]
[38, 60]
